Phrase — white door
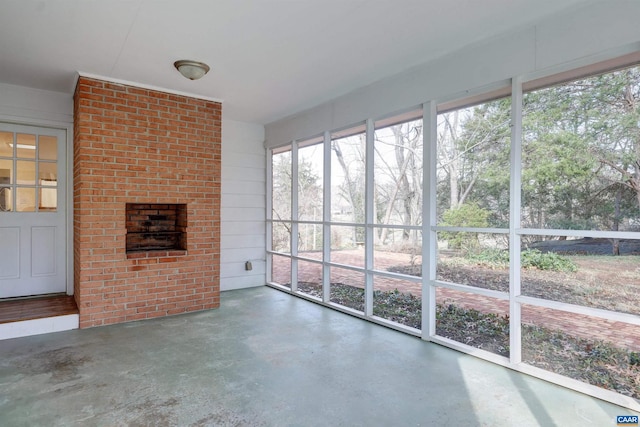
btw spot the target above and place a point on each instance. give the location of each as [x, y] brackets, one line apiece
[33, 243]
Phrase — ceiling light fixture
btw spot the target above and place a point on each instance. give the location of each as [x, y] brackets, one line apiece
[193, 70]
[24, 146]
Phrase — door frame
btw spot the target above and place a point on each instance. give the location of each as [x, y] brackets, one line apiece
[68, 205]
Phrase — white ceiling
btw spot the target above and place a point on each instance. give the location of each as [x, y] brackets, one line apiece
[268, 58]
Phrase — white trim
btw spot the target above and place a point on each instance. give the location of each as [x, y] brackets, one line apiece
[429, 212]
[399, 276]
[369, 199]
[143, 86]
[293, 244]
[269, 213]
[287, 254]
[45, 325]
[346, 224]
[578, 233]
[515, 206]
[310, 222]
[303, 258]
[326, 217]
[393, 325]
[42, 123]
[346, 267]
[580, 309]
[397, 226]
[69, 212]
[472, 290]
[471, 230]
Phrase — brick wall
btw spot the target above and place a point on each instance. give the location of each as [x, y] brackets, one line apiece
[134, 145]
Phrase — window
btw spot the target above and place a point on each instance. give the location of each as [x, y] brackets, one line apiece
[508, 281]
[281, 201]
[581, 154]
[348, 176]
[28, 172]
[473, 165]
[580, 222]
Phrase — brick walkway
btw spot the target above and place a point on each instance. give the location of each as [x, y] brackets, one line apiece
[621, 334]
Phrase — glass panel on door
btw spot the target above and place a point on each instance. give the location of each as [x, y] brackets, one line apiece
[47, 148]
[28, 172]
[26, 146]
[6, 144]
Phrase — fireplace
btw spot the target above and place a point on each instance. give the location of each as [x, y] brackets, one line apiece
[152, 227]
[147, 175]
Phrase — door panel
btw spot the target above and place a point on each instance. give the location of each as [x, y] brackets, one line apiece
[33, 245]
[43, 251]
[9, 256]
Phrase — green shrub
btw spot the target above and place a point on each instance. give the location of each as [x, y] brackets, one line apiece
[533, 258]
[530, 258]
[490, 257]
[466, 215]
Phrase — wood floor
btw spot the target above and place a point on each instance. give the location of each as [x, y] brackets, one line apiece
[15, 310]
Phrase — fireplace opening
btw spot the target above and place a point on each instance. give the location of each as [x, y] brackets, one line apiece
[156, 226]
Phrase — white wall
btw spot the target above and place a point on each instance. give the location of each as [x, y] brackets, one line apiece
[594, 32]
[243, 205]
[34, 106]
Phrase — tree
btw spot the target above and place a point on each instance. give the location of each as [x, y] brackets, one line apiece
[398, 177]
[473, 158]
[281, 200]
[309, 201]
[350, 155]
[581, 153]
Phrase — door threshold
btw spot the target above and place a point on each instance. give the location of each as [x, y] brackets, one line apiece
[21, 317]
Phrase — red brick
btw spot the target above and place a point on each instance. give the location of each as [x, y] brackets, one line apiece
[144, 146]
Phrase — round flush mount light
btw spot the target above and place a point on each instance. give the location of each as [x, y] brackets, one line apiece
[193, 70]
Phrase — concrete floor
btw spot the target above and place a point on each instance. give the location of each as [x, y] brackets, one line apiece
[266, 358]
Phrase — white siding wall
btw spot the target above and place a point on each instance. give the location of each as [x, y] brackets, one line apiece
[34, 106]
[243, 205]
[581, 36]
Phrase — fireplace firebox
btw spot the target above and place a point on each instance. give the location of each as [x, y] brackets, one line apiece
[156, 226]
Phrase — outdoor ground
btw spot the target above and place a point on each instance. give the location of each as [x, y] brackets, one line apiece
[599, 352]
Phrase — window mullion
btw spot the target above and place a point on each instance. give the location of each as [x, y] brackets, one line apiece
[429, 235]
[269, 213]
[294, 216]
[326, 219]
[369, 220]
[515, 330]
